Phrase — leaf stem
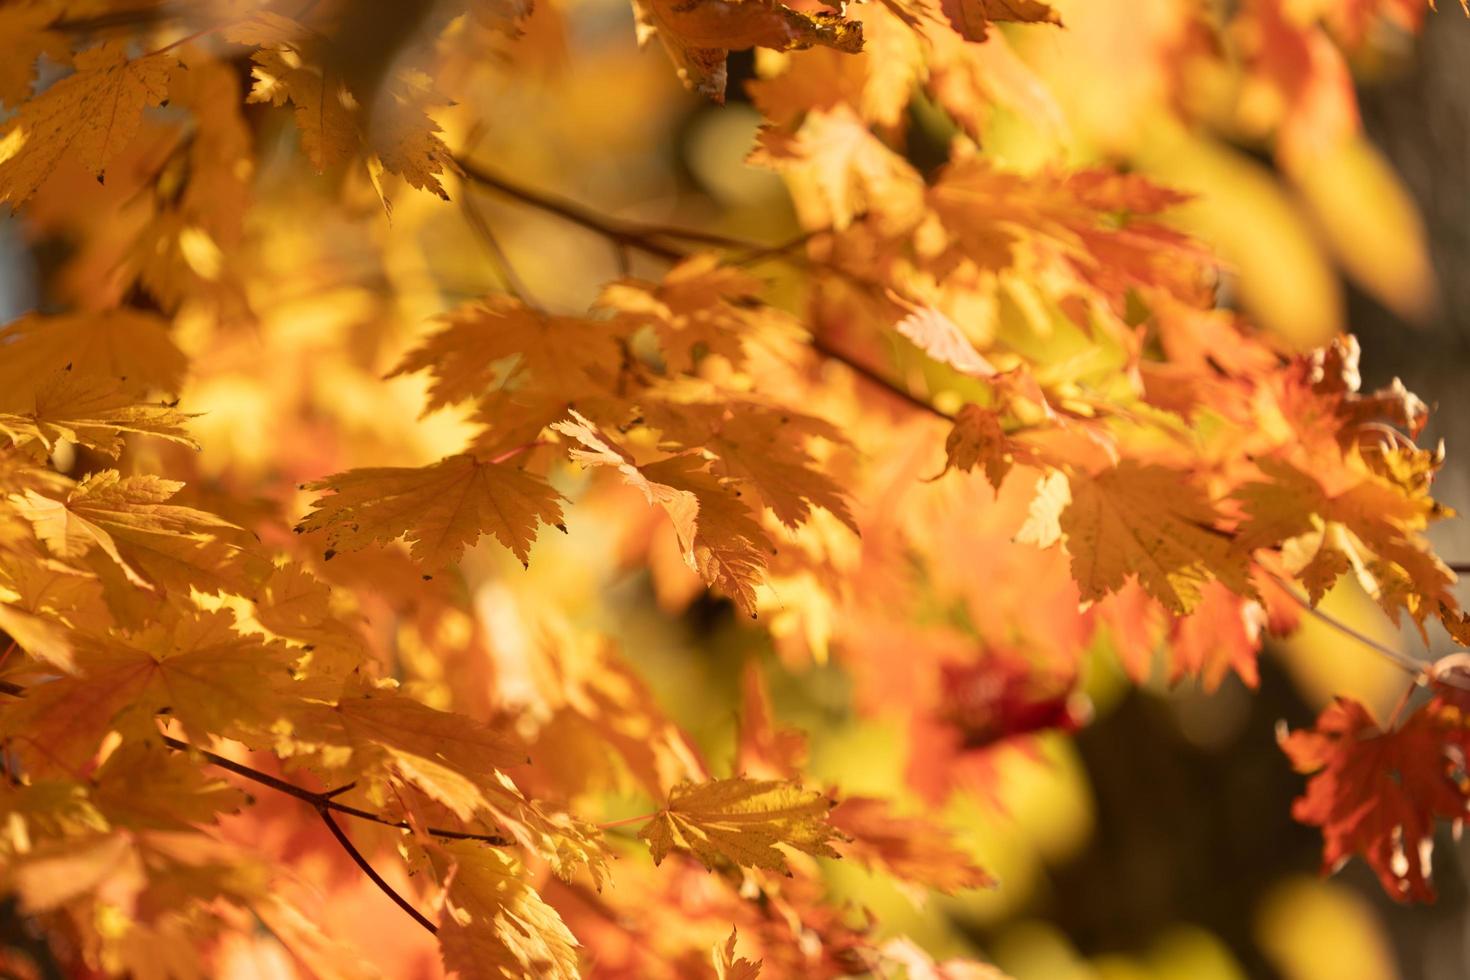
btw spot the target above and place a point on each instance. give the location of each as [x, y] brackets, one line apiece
[626, 821]
[513, 283]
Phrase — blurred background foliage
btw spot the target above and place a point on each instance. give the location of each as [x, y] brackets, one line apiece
[1154, 844]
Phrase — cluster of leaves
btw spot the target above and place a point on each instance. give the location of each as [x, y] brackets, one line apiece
[1128, 459]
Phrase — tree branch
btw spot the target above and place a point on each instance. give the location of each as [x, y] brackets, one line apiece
[644, 238]
[322, 801]
[372, 873]
[1403, 661]
[621, 233]
[824, 348]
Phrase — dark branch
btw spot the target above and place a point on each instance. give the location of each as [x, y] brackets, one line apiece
[322, 801]
[623, 234]
[372, 873]
[627, 235]
[824, 348]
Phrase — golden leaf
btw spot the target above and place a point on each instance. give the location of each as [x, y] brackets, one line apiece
[1150, 521]
[741, 821]
[494, 924]
[439, 508]
[127, 348]
[87, 117]
[699, 35]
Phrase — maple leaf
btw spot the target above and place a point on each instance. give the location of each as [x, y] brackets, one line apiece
[494, 924]
[740, 821]
[856, 174]
[682, 505]
[70, 407]
[972, 18]
[288, 68]
[1098, 223]
[978, 439]
[146, 786]
[760, 447]
[909, 848]
[718, 535]
[727, 967]
[38, 637]
[88, 116]
[154, 544]
[698, 36]
[128, 348]
[571, 356]
[1295, 508]
[730, 549]
[210, 678]
[26, 29]
[454, 759]
[1151, 521]
[404, 137]
[439, 508]
[1377, 793]
[942, 339]
[699, 307]
[294, 64]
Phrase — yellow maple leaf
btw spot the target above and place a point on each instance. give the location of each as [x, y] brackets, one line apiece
[571, 356]
[126, 348]
[1367, 524]
[325, 111]
[728, 967]
[978, 439]
[760, 447]
[439, 508]
[210, 678]
[26, 29]
[455, 759]
[853, 171]
[494, 924]
[741, 821]
[1151, 521]
[972, 18]
[699, 36]
[89, 117]
[154, 544]
[718, 533]
[89, 412]
[699, 307]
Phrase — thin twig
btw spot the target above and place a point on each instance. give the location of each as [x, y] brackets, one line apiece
[1460, 567]
[1401, 660]
[371, 872]
[626, 234]
[322, 801]
[513, 283]
[824, 348]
